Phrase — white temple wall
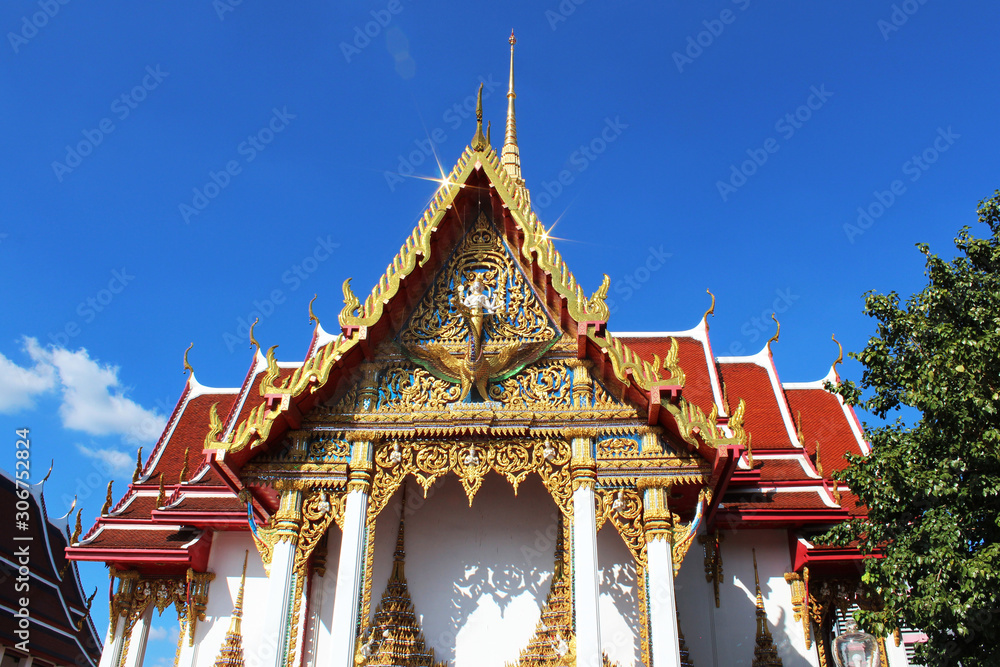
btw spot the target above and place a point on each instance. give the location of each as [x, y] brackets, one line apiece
[696, 604]
[226, 561]
[478, 576]
[322, 591]
[619, 599]
[735, 622]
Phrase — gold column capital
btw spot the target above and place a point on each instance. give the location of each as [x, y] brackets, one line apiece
[360, 467]
[656, 509]
[287, 519]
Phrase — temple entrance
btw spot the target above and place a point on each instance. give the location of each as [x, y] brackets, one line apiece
[478, 576]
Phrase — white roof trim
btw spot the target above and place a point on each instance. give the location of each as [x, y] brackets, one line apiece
[699, 333]
[131, 497]
[797, 457]
[193, 390]
[831, 376]
[322, 337]
[260, 363]
[764, 360]
[823, 494]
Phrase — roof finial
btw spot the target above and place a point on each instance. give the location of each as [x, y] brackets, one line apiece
[774, 338]
[312, 315]
[510, 157]
[711, 309]
[187, 366]
[478, 140]
[840, 354]
[253, 341]
[138, 466]
[107, 500]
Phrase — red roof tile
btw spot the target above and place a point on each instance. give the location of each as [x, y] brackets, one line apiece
[763, 419]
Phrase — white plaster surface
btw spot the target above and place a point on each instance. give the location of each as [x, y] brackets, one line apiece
[478, 576]
[696, 603]
[619, 599]
[735, 621]
[226, 561]
[322, 594]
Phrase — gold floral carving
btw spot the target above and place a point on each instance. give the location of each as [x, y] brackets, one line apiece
[682, 536]
[547, 383]
[481, 255]
[319, 510]
[402, 388]
[617, 448]
[623, 507]
[470, 460]
[135, 594]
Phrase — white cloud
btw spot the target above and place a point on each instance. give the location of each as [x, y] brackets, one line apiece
[19, 386]
[157, 632]
[114, 460]
[93, 400]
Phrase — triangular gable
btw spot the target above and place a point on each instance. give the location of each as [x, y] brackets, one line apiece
[477, 183]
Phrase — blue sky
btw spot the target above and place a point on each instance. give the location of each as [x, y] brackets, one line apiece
[172, 168]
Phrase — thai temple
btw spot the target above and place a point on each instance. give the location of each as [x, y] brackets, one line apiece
[474, 470]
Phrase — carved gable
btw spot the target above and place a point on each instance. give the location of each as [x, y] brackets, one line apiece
[480, 321]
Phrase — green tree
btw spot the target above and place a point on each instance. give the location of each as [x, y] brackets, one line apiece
[932, 488]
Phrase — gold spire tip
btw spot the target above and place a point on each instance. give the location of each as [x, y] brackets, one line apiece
[478, 140]
[187, 366]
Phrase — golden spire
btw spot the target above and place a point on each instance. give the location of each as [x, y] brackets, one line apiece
[231, 653]
[399, 556]
[765, 654]
[510, 157]
[394, 636]
[478, 140]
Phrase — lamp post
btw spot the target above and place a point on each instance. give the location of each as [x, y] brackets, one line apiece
[854, 648]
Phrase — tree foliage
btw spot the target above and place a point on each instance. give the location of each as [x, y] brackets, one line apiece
[932, 488]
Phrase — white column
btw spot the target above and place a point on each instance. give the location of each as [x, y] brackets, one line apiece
[586, 589]
[896, 655]
[188, 653]
[137, 639]
[586, 584]
[280, 581]
[111, 656]
[350, 568]
[663, 637]
[343, 633]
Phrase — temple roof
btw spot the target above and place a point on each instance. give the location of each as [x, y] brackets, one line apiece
[58, 602]
[708, 406]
